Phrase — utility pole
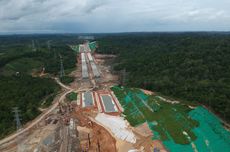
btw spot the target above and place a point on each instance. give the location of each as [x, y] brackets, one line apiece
[89, 140]
[62, 72]
[20, 146]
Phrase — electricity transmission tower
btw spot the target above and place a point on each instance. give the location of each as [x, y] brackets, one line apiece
[20, 146]
[48, 44]
[33, 46]
[62, 72]
[17, 118]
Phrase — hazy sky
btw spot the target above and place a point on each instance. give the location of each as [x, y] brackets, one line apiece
[42, 16]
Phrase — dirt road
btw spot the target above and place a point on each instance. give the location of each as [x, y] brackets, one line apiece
[39, 118]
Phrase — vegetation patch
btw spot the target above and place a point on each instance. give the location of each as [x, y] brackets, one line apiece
[48, 100]
[22, 65]
[67, 79]
[71, 96]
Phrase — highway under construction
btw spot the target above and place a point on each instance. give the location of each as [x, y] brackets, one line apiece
[88, 64]
[92, 122]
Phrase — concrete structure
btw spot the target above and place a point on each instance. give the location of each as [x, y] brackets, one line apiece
[83, 57]
[95, 70]
[87, 99]
[90, 57]
[108, 103]
[84, 68]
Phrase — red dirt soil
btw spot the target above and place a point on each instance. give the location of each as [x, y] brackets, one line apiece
[100, 136]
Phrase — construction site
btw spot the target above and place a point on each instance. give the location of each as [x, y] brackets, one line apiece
[93, 122]
[106, 117]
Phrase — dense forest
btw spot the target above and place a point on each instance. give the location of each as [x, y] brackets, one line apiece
[193, 67]
[27, 53]
[22, 59]
[26, 93]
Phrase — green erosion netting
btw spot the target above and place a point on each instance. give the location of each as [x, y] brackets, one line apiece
[212, 136]
[180, 128]
[75, 48]
[140, 108]
[93, 45]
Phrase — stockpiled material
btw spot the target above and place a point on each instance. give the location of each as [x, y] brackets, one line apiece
[118, 126]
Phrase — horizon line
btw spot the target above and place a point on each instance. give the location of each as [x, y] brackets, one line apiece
[85, 33]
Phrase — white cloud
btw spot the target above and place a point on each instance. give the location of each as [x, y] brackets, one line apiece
[113, 15]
